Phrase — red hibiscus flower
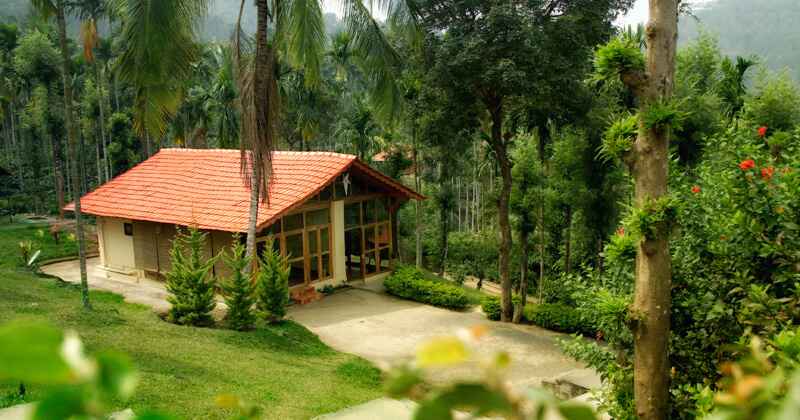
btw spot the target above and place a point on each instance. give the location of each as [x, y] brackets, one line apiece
[767, 173]
[696, 189]
[762, 131]
[748, 164]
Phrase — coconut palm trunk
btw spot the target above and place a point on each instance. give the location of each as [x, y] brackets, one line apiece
[72, 141]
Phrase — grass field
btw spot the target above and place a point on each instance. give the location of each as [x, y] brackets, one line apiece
[285, 368]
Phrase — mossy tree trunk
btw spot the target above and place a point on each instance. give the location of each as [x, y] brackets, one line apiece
[649, 164]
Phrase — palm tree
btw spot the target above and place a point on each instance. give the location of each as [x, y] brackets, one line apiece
[298, 30]
[90, 12]
[48, 8]
[159, 49]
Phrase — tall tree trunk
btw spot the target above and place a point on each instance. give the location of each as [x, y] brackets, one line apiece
[523, 276]
[651, 306]
[255, 188]
[541, 251]
[444, 231]
[74, 158]
[58, 174]
[261, 144]
[568, 240]
[501, 152]
[417, 204]
[102, 122]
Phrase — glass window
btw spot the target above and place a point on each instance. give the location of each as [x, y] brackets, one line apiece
[385, 259]
[369, 237]
[313, 269]
[294, 245]
[382, 210]
[128, 229]
[324, 239]
[318, 217]
[352, 214]
[296, 272]
[370, 213]
[326, 266]
[326, 193]
[382, 237]
[312, 242]
[273, 229]
[293, 222]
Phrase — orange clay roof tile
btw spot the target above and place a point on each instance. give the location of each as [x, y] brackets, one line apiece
[204, 187]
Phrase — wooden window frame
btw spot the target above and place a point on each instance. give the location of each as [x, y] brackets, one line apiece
[305, 231]
[373, 226]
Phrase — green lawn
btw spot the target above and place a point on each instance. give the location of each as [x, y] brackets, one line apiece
[286, 369]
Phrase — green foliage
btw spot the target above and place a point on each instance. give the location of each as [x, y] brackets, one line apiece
[618, 56]
[775, 102]
[409, 282]
[654, 219]
[490, 305]
[36, 58]
[189, 281]
[662, 115]
[485, 396]
[560, 317]
[619, 138]
[272, 284]
[475, 253]
[238, 289]
[80, 386]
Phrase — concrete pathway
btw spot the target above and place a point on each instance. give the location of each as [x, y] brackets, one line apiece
[142, 291]
[385, 330]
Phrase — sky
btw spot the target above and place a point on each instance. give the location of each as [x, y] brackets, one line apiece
[637, 15]
[640, 10]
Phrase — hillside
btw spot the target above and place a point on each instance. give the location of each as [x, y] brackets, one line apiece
[767, 28]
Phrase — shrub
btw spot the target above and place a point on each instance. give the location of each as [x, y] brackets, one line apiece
[272, 284]
[410, 283]
[558, 317]
[189, 282]
[491, 307]
[238, 289]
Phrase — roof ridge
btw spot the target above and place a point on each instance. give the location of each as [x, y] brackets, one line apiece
[282, 152]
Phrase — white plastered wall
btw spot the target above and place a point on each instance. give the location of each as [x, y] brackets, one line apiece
[117, 248]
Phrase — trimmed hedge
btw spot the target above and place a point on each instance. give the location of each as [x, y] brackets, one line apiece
[553, 316]
[559, 317]
[491, 307]
[410, 283]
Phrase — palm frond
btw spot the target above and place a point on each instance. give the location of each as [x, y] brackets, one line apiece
[300, 31]
[158, 49]
[89, 38]
[379, 60]
[45, 8]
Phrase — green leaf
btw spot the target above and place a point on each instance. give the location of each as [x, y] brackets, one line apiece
[116, 375]
[400, 382]
[576, 411]
[63, 403]
[475, 398]
[31, 352]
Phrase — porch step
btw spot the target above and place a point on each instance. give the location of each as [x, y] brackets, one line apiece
[305, 295]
